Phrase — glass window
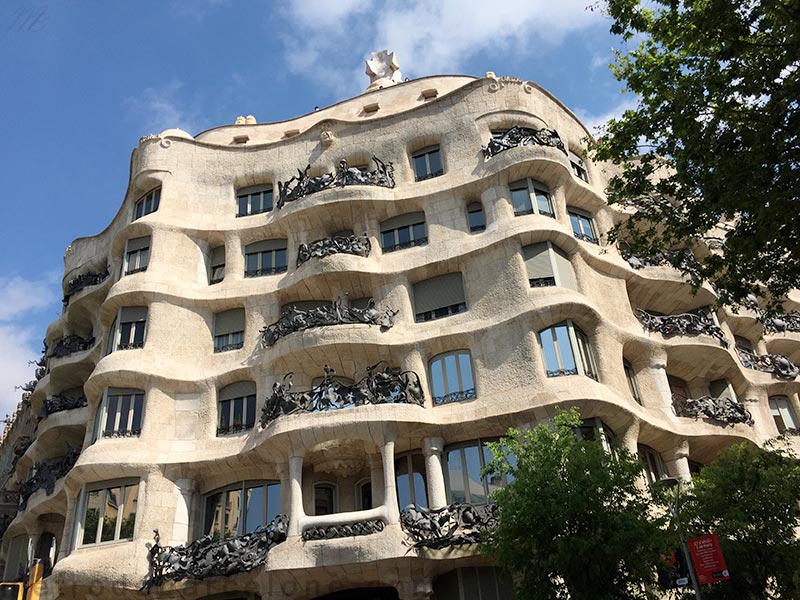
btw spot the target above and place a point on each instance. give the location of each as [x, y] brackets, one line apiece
[137, 255]
[128, 331]
[653, 465]
[451, 377]
[404, 231]
[364, 495]
[578, 167]
[107, 512]
[120, 413]
[236, 407]
[253, 200]
[324, 499]
[427, 163]
[217, 265]
[559, 344]
[475, 217]
[582, 226]
[147, 204]
[411, 480]
[439, 297]
[547, 265]
[595, 429]
[265, 258]
[678, 387]
[630, 375]
[241, 508]
[229, 330]
[531, 197]
[782, 414]
[484, 583]
[463, 473]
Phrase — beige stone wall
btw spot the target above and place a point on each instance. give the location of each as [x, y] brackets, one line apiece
[178, 456]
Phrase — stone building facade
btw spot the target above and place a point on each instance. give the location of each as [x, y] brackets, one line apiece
[287, 349]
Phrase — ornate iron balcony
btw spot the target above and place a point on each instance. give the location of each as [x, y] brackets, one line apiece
[207, 557]
[302, 185]
[693, 323]
[586, 238]
[538, 282]
[721, 409]
[71, 344]
[522, 136]
[389, 386]
[459, 396]
[227, 347]
[358, 245]
[45, 474]
[59, 402]
[339, 531]
[235, 428]
[82, 281]
[783, 323]
[122, 433]
[778, 365]
[130, 345]
[294, 319]
[262, 272]
[562, 372]
[440, 313]
[454, 525]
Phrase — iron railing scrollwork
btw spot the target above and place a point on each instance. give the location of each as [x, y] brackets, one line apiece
[358, 245]
[562, 372]
[207, 557]
[265, 271]
[782, 323]
[586, 238]
[45, 474]
[336, 313]
[458, 396]
[339, 531]
[453, 525]
[70, 344]
[722, 409]
[302, 185]
[693, 323]
[387, 386]
[60, 402]
[83, 281]
[522, 136]
[777, 365]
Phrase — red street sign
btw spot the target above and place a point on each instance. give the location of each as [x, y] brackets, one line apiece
[709, 564]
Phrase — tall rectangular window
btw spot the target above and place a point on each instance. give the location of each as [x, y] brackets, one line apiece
[427, 163]
[548, 265]
[254, 200]
[236, 407]
[229, 330]
[531, 197]
[410, 478]
[578, 167]
[265, 258]
[107, 512]
[582, 225]
[566, 351]
[137, 255]
[147, 204]
[217, 265]
[465, 463]
[120, 413]
[128, 331]
[451, 377]
[782, 414]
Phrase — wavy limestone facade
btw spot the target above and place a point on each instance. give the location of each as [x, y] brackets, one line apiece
[496, 299]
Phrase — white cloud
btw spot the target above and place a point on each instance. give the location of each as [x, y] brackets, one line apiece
[160, 108]
[20, 341]
[428, 36]
[595, 121]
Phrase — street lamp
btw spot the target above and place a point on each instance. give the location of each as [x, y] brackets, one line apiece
[669, 483]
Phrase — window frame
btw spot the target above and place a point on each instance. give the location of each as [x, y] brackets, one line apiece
[414, 237]
[334, 496]
[782, 412]
[479, 443]
[531, 186]
[359, 493]
[231, 340]
[461, 394]
[408, 458]
[442, 311]
[242, 487]
[578, 167]
[633, 385]
[583, 359]
[147, 203]
[83, 506]
[556, 277]
[274, 268]
[136, 256]
[117, 327]
[585, 221]
[214, 276]
[248, 194]
[103, 412]
[653, 464]
[227, 407]
[429, 172]
[474, 208]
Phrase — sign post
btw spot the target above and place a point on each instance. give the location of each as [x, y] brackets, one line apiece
[707, 559]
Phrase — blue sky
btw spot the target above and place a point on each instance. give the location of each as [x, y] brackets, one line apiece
[82, 80]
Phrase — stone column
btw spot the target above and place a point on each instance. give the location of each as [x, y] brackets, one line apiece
[437, 494]
[283, 477]
[376, 477]
[677, 461]
[389, 484]
[296, 511]
[180, 524]
[629, 438]
[657, 368]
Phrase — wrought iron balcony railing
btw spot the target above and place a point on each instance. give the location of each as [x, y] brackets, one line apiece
[263, 272]
[692, 323]
[358, 245]
[295, 319]
[389, 386]
[45, 474]
[208, 557]
[723, 409]
[70, 344]
[453, 525]
[59, 402]
[403, 245]
[777, 365]
[459, 396]
[522, 136]
[82, 281]
[328, 532]
[783, 323]
[302, 185]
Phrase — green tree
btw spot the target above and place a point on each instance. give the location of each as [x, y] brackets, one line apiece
[749, 498]
[715, 135]
[574, 521]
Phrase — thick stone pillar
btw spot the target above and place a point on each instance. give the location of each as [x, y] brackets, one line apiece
[629, 437]
[376, 478]
[180, 524]
[389, 483]
[437, 493]
[677, 461]
[296, 511]
[657, 368]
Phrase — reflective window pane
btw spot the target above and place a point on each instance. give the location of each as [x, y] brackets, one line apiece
[91, 519]
[456, 476]
[255, 509]
[477, 494]
[233, 511]
[129, 512]
[110, 514]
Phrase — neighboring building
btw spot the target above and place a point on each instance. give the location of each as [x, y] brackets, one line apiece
[466, 264]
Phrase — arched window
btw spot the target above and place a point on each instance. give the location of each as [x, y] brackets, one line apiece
[464, 478]
[531, 197]
[566, 351]
[326, 501]
[241, 508]
[236, 407]
[427, 163]
[451, 377]
[475, 217]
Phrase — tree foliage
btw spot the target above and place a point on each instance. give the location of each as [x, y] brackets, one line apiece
[572, 522]
[715, 135]
[749, 498]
